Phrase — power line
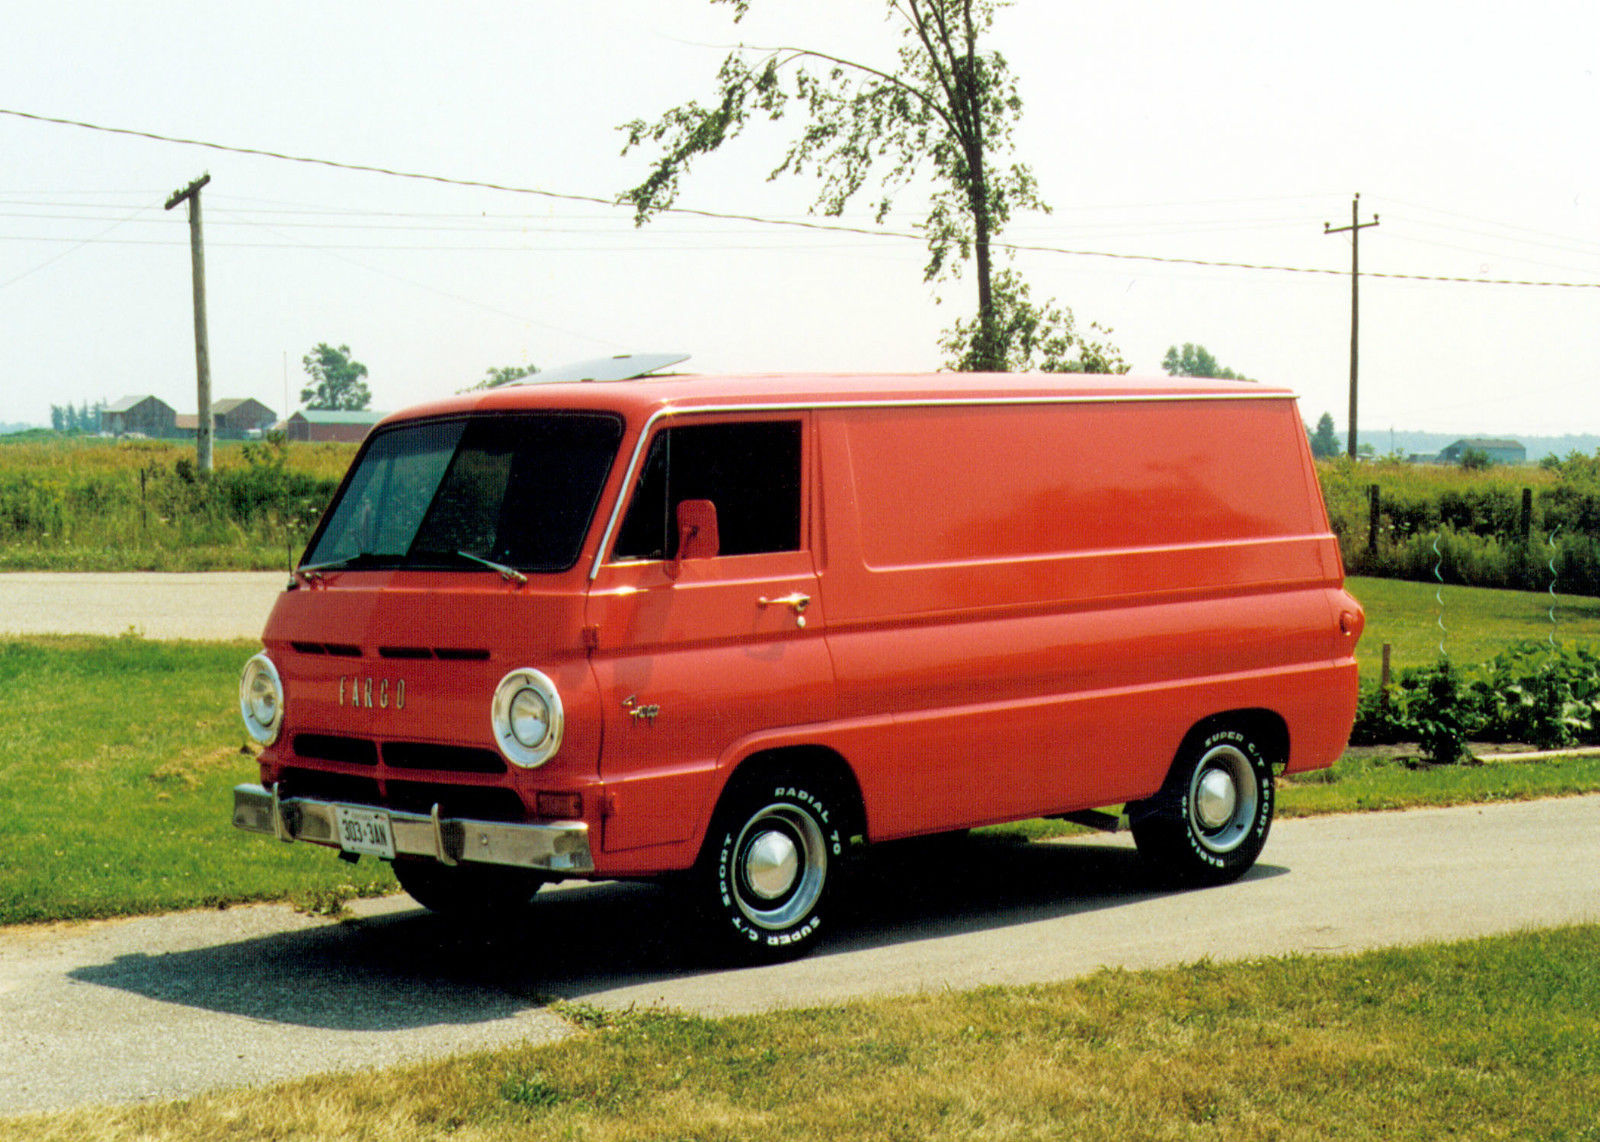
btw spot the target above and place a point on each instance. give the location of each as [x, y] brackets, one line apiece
[96, 239]
[802, 224]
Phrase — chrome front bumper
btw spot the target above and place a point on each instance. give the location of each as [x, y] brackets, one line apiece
[562, 848]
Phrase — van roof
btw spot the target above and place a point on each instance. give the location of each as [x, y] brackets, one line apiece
[686, 392]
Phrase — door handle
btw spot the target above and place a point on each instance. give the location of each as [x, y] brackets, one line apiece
[795, 601]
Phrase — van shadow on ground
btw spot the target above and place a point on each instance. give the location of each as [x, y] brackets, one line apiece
[412, 969]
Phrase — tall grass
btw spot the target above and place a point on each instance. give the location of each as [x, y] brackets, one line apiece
[1439, 523]
[75, 504]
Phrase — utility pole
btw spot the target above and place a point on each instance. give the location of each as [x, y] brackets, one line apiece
[1354, 229]
[202, 349]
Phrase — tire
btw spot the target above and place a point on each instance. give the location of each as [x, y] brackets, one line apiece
[771, 865]
[467, 891]
[1209, 824]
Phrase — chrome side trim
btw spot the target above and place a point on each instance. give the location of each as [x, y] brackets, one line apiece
[562, 848]
[907, 402]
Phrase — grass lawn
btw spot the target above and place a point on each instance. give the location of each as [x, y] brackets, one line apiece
[1496, 1038]
[119, 758]
[1479, 622]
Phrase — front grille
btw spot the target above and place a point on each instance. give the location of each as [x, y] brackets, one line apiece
[443, 653]
[382, 786]
[404, 652]
[329, 747]
[450, 758]
[337, 649]
[328, 786]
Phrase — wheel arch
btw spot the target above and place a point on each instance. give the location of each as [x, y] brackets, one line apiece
[1266, 727]
[827, 767]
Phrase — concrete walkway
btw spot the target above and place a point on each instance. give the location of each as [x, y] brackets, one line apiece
[197, 605]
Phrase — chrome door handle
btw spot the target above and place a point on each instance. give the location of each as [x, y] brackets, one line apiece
[795, 601]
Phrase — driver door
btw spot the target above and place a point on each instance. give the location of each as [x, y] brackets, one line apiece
[694, 654]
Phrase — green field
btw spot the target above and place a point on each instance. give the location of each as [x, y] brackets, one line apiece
[84, 504]
[1479, 623]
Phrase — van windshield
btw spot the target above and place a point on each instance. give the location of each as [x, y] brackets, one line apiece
[504, 491]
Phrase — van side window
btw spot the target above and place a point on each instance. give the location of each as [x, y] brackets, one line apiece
[750, 470]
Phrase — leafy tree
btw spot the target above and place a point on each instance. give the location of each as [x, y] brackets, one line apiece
[1475, 459]
[1195, 361]
[58, 418]
[944, 114]
[336, 380]
[1325, 442]
[1030, 337]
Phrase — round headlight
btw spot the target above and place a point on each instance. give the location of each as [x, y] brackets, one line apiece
[527, 718]
[261, 699]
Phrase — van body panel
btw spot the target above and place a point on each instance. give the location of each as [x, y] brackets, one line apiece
[989, 597]
[1086, 574]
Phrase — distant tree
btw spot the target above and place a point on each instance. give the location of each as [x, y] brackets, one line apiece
[336, 380]
[494, 378]
[72, 418]
[1475, 459]
[1194, 361]
[1325, 442]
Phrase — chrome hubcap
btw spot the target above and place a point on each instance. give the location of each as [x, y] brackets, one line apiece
[1215, 800]
[779, 866]
[770, 865]
[1223, 799]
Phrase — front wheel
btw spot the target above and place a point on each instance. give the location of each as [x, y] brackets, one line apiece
[771, 867]
[1210, 823]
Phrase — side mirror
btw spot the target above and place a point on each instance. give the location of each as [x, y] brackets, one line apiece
[697, 534]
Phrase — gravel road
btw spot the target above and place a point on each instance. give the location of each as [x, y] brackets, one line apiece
[170, 1006]
[201, 605]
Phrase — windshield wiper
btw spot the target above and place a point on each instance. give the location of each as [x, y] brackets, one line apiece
[366, 560]
[509, 574]
[424, 558]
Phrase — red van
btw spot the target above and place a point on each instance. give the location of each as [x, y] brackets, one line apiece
[732, 626]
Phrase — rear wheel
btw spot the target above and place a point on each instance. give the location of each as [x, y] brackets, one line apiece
[1209, 824]
[467, 891]
[771, 866]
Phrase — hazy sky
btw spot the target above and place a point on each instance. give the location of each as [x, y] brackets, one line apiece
[1221, 132]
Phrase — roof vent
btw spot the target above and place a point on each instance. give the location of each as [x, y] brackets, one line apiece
[622, 367]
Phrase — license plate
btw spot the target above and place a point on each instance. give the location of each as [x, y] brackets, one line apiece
[365, 831]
